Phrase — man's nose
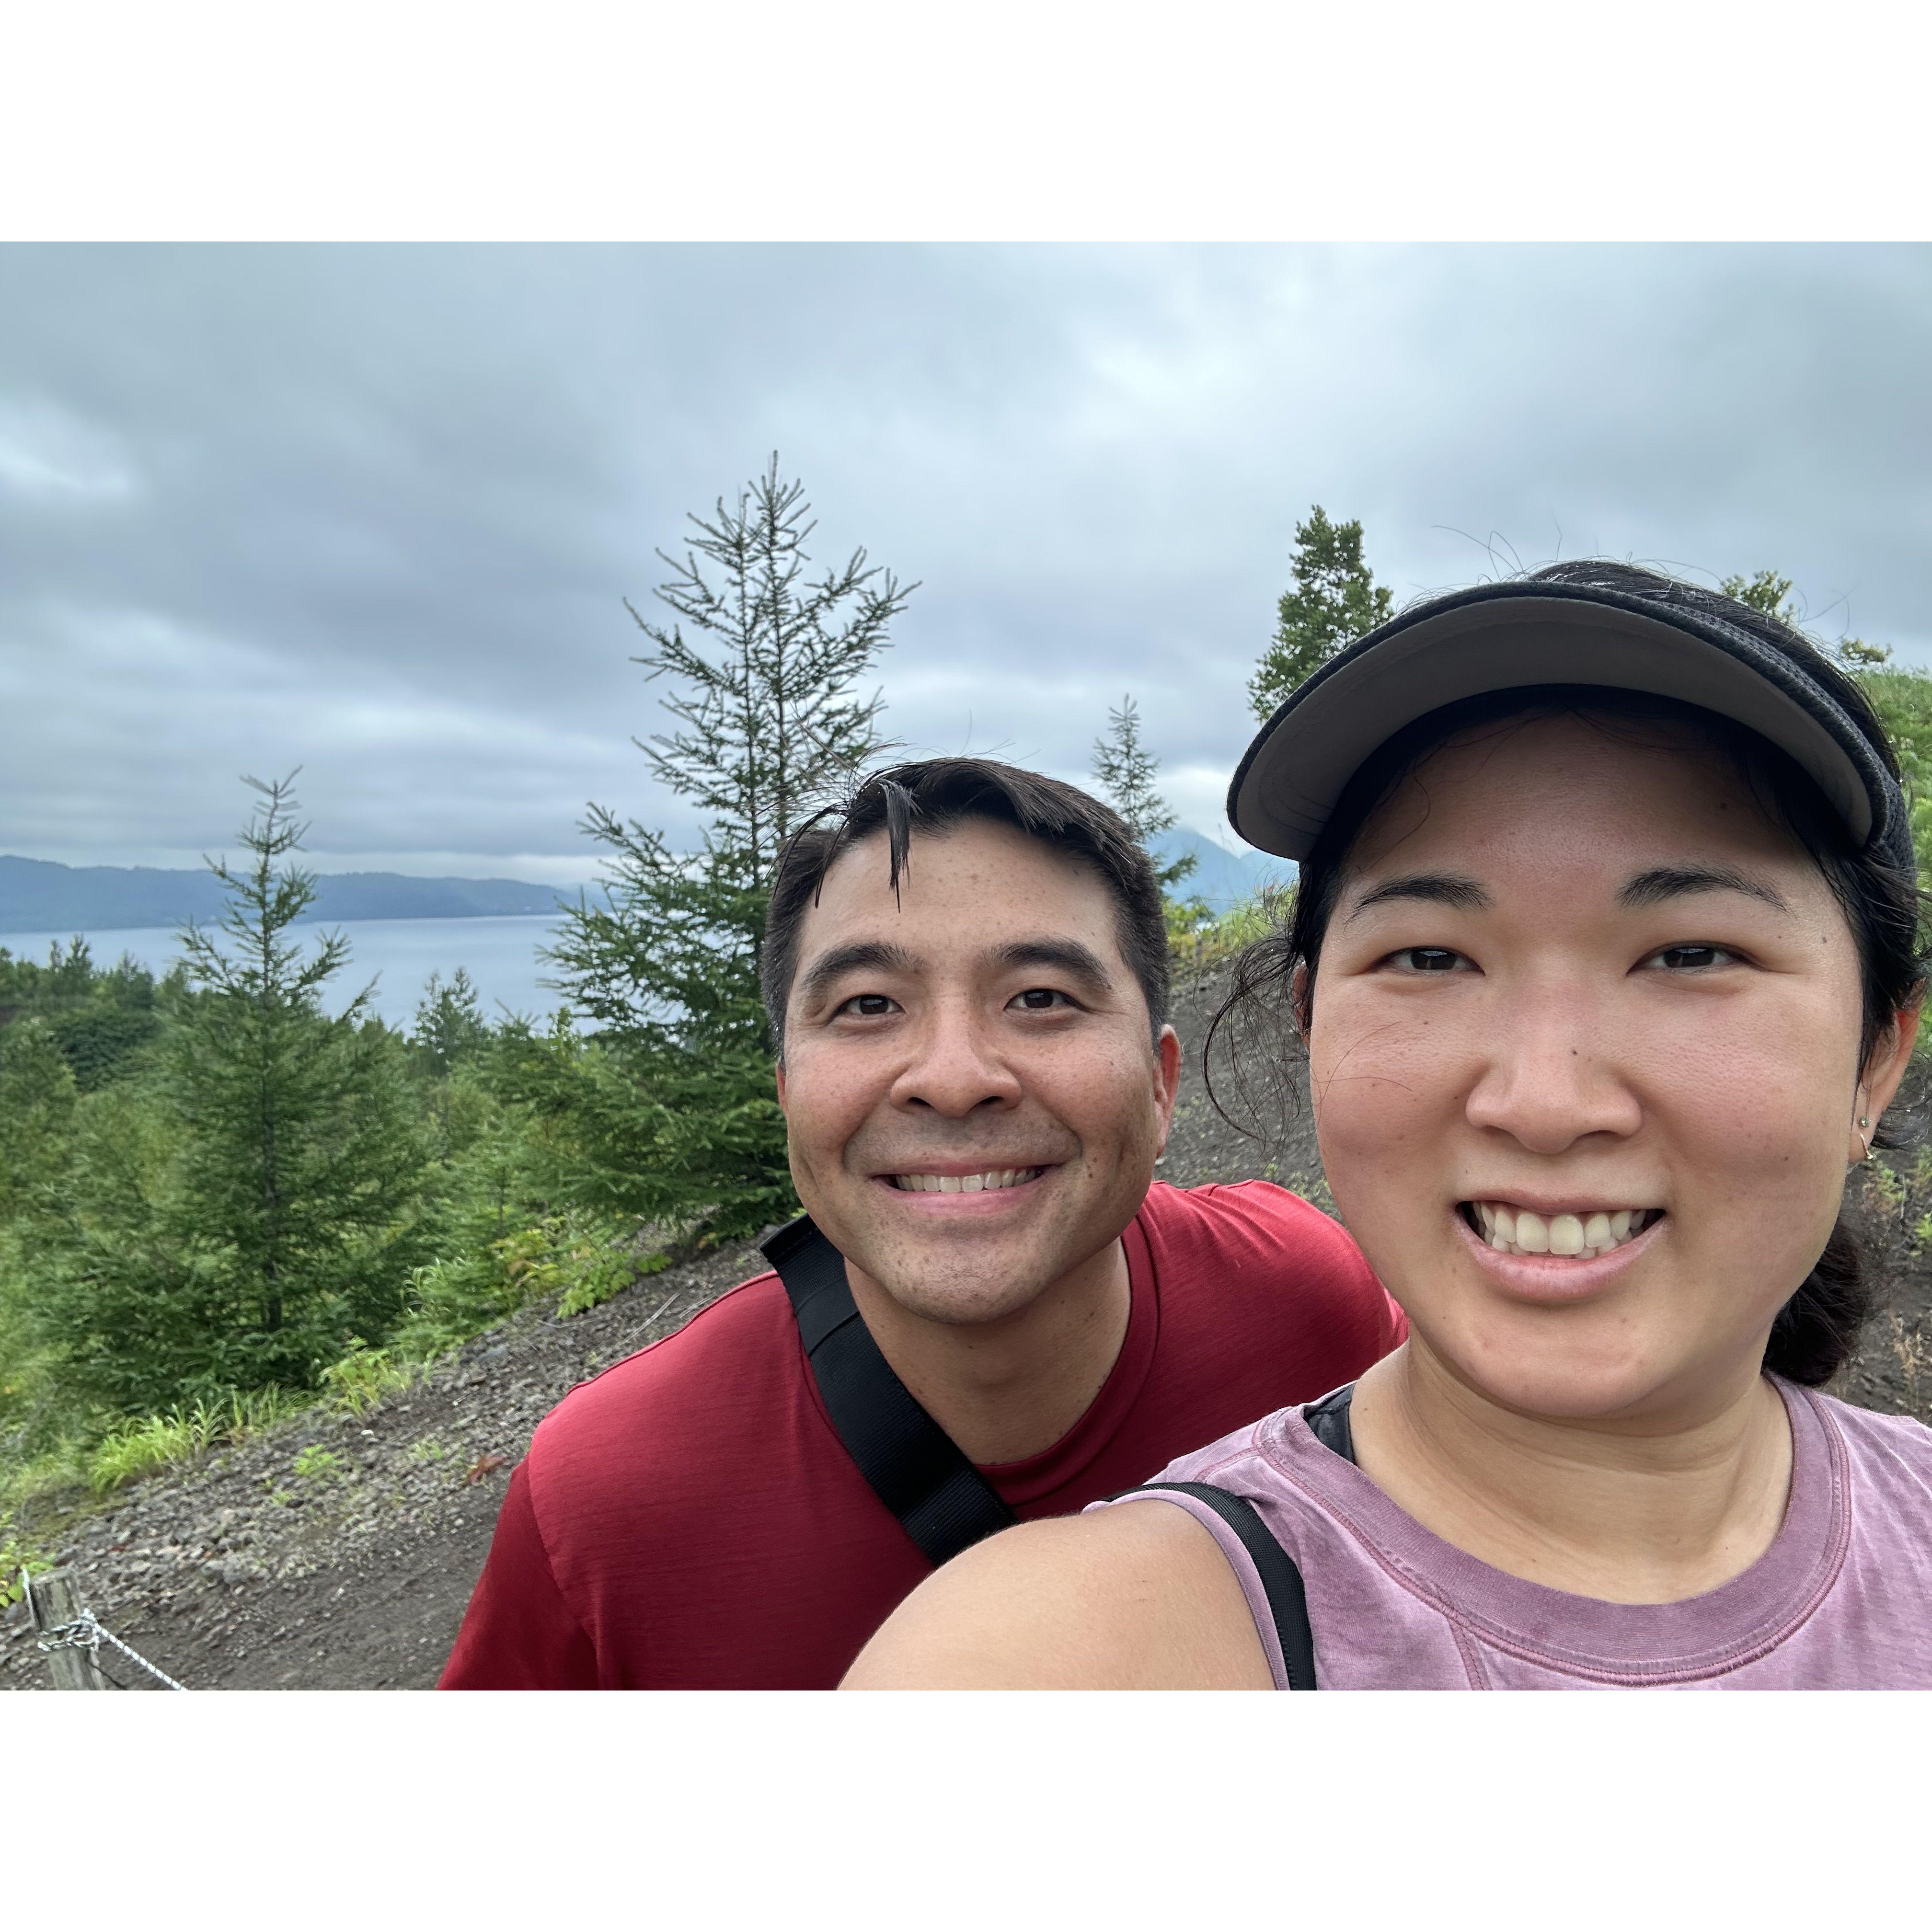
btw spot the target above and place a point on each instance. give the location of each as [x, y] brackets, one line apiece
[1551, 1077]
[956, 1066]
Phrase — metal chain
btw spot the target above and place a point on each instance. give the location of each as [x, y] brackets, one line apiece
[85, 1633]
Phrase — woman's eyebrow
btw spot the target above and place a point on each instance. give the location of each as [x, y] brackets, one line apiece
[1449, 889]
[1669, 882]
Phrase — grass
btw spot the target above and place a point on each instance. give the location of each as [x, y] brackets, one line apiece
[156, 1442]
[363, 1376]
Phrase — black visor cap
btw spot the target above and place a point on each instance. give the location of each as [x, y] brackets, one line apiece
[1503, 636]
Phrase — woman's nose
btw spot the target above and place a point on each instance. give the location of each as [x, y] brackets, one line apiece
[1549, 1080]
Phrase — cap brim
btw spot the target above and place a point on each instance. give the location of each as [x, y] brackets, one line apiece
[1505, 637]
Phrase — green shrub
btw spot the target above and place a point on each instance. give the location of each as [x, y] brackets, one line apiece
[604, 1275]
[362, 1377]
[17, 1554]
[1209, 941]
[581, 1259]
[315, 1464]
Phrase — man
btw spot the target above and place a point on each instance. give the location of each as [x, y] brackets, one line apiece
[967, 974]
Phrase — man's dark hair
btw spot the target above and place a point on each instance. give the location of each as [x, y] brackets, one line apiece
[934, 796]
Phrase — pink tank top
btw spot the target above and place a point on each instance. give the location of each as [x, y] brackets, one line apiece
[1841, 1600]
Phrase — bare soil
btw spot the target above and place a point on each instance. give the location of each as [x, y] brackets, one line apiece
[245, 1573]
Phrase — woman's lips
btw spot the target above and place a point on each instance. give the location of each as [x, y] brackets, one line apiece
[1558, 1278]
[1580, 1229]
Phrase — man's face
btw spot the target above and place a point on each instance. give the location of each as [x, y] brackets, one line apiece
[973, 1097]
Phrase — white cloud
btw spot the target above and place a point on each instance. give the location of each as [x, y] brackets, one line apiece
[373, 511]
[49, 458]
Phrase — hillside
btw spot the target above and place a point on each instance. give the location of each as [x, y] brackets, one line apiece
[39, 895]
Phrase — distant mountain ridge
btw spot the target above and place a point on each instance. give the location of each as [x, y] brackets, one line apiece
[1221, 877]
[42, 896]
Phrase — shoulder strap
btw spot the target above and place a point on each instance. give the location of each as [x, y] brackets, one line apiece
[916, 1469]
[1288, 1601]
[1328, 1421]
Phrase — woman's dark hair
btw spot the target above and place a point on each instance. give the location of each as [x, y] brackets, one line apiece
[935, 796]
[1274, 982]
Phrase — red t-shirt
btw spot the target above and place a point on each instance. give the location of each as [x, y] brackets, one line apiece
[688, 1520]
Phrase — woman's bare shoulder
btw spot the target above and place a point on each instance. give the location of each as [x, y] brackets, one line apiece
[1138, 1597]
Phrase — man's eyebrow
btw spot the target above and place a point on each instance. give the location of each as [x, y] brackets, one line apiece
[865, 956]
[1449, 889]
[1066, 956]
[1668, 882]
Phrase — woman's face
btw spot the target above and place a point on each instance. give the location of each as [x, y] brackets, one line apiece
[1578, 994]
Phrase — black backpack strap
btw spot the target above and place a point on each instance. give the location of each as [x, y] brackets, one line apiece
[1328, 1421]
[916, 1469]
[1288, 1601]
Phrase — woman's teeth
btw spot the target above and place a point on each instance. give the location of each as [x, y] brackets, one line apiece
[966, 1184]
[1516, 1231]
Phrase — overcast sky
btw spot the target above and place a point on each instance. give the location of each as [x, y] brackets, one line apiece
[373, 511]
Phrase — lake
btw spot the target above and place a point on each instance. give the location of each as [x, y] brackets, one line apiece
[500, 955]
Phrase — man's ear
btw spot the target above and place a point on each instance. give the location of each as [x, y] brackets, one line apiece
[777, 1074]
[1166, 1078]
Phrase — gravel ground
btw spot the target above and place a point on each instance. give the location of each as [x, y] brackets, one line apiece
[244, 1573]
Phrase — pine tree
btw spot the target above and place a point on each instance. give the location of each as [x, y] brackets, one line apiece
[236, 1216]
[450, 1028]
[770, 724]
[1334, 600]
[38, 1096]
[1125, 770]
[667, 1112]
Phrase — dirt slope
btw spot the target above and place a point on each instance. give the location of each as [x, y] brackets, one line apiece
[244, 1573]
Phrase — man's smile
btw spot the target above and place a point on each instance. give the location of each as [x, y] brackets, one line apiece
[976, 1180]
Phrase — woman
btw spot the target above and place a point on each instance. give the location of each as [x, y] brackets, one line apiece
[1604, 951]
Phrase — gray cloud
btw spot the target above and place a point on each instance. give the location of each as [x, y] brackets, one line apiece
[373, 510]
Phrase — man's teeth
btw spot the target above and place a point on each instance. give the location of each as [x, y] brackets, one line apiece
[966, 1184]
[1516, 1231]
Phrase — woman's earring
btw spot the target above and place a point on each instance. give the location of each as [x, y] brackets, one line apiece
[1863, 1122]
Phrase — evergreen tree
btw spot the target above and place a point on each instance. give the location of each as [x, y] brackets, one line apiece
[769, 725]
[101, 1017]
[38, 1095]
[235, 1217]
[1334, 600]
[450, 1028]
[667, 1112]
[1125, 770]
[450, 1038]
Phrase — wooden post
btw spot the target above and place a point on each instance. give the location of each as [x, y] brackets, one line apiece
[52, 1601]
